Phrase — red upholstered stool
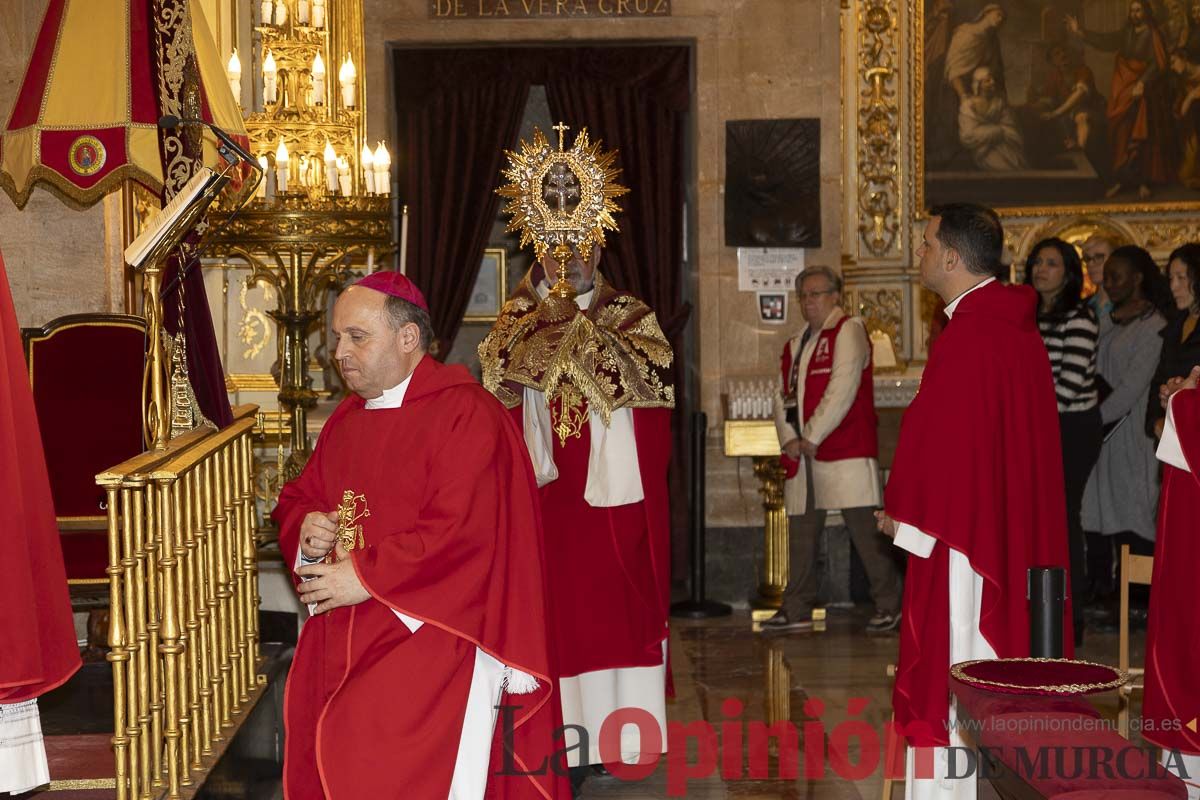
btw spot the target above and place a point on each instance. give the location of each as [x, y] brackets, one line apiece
[86, 374]
[1037, 737]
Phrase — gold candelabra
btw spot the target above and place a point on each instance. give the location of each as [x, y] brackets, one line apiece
[323, 208]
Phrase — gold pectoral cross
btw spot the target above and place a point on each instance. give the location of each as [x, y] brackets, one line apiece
[568, 413]
[350, 531]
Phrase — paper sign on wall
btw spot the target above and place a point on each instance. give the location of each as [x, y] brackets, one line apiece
[769, 269]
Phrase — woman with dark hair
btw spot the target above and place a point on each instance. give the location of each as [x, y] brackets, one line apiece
[1070, 332]
[1122, 494]
[1181, 337]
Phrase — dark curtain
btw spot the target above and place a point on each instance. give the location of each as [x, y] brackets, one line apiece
[635, 100]
[454, 124]
[203, 358]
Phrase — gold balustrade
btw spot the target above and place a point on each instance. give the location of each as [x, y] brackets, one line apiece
[183, 630]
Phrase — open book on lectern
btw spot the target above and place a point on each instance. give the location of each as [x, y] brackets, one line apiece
[168, 226]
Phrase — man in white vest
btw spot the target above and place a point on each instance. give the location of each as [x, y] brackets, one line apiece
[825, 418]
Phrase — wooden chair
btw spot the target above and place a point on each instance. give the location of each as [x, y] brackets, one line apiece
[86, 374]
[1134, 569]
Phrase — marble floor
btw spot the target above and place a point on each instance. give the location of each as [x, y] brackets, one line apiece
[726, 677]
[836, 675]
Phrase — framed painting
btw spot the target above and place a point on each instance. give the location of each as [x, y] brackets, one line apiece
[1040, 107]
[773, 183]
[489, 292]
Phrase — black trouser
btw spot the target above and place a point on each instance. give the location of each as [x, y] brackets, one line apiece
[1080, 436]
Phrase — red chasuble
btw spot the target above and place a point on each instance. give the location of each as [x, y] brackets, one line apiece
[1172, 647]
[978, 467]
[609, 567]
[454, 540]
[38, 651]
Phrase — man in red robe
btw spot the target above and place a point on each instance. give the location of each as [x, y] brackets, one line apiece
[38, 650]
[415, 531]
[585, 370]
[976, 489]
[1172, 700]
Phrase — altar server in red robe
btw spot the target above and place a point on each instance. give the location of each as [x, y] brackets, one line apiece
[415, 532]
[38, 649]
[585, 369]
[1172, 701]
[976, 491]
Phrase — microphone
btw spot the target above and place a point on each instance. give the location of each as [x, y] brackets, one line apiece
[170, 122]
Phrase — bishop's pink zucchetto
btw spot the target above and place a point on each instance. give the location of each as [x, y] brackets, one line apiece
[395, 284]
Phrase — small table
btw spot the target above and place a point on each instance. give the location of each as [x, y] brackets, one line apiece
[757, 439]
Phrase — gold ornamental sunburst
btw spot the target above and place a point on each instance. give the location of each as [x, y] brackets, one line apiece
[561, 199]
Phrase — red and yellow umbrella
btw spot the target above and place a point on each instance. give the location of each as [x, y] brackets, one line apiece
[85, 119]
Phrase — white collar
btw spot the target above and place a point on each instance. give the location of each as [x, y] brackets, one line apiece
[582, 300]
[391, 398]
[953, 304]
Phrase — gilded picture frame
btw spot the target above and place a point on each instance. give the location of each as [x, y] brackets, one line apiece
[1050, 47]
[490, 290]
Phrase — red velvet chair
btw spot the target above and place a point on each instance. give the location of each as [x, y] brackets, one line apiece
[86, 374]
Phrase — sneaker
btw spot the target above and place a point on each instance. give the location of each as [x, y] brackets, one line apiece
[781, 624]
[882, 623]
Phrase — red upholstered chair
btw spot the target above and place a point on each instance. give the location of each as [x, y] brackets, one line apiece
[86, 374]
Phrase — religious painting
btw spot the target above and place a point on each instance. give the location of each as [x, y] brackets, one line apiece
[488, 293]
[1044, 106]
[773, 183]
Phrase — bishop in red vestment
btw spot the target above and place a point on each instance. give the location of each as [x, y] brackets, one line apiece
[1172, 700]
[976, 490]
[416, 528]
[38, 649]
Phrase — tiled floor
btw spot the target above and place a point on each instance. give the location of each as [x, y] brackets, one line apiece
[837, 675]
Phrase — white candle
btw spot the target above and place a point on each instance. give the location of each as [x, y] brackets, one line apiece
[302, 11]
[403, 239]
[281, 12]
[347, 76]
[261, 191]
[266, 12]
[368, 166]
[281, 168]
[318, 80]
[370, 260]
[331, 170]
[318, 13]
[270, 79]
[343, 168]
[233, 71]
[383, 170]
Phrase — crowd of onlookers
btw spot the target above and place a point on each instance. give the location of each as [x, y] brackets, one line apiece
[1118, 330]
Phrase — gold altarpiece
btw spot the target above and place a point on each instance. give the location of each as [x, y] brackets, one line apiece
[882, 74]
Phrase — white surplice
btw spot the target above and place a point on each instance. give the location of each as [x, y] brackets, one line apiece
[966, 643]
[22, 750]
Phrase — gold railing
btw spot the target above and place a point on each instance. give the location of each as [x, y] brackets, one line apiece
[183, 608]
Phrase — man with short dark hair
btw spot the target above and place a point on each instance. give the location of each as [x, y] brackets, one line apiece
[415, 533]
[976, 490]
[825, 418]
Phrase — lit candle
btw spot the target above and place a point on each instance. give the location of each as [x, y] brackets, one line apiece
[266, 12]
[383, 170]
[343, 168]
[318, 80]
[261, 191]
[331, 170]
[403, 239]
[302, 11]
[318, 13]
[233, 71]
[280, 12]
[281, 168]
[347, 76]
[270, 79]
[368, 165]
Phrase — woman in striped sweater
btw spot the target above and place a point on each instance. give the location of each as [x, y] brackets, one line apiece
[1069, 330]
